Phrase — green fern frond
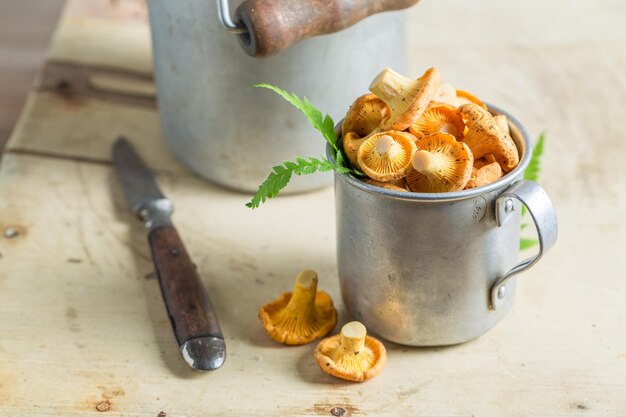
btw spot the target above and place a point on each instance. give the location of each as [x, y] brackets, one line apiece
[527, 243]
[532, 174]
[534, 166]
[324, 124]
[281, 174]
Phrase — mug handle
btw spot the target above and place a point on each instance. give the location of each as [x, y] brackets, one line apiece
[542, 212]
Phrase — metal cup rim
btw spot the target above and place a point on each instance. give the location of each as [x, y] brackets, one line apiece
[522, 141]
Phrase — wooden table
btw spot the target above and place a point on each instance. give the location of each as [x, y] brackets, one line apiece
[83, 330]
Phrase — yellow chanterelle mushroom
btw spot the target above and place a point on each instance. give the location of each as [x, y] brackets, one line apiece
[351, 144]
[438, 118]
[396, 185]
[301, 316]
[441, 164]
[503, 122]
[406, 98]
[386, 156]
[362, 120]
[364, 115]
[465, 97]
[485, 136]
[484, 175]
[351, 355]
[445, 94]
[485, 160]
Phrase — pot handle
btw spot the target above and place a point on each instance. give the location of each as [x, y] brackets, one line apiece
[542, 212]
[273, 25]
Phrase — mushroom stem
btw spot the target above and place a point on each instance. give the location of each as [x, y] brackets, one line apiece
[302, 300]
[385, 146]
[352, 337]
[432, 164]
[352, 352]
[421, 160]
[405, 98]
[300, 316]
[389, 84]
[396, 90]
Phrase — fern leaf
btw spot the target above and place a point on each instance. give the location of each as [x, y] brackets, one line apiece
[534, 166]
[527, 243]
[324, 124]
[281, 174]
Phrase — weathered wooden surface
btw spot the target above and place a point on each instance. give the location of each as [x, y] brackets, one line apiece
[82, 325]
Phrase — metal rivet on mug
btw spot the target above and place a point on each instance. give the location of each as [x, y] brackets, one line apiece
[508, 206]
[502, 291]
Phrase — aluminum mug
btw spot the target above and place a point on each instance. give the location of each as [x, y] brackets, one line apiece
[425, 269]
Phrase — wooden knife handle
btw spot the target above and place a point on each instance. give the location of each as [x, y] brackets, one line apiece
[187, 303]
[274, 25]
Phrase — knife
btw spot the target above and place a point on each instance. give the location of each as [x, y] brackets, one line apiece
[191, 315]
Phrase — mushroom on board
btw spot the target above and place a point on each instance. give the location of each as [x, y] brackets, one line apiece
[438, 118]
[441, 164]
[301, 316]
[352, 354]
[484, 136]
[407, 99]
[364, 115]
[386, 156]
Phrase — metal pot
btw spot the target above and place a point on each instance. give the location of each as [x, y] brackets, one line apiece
[231, 134]
[437, 269]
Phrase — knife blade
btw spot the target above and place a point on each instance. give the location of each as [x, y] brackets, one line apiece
[191, 314]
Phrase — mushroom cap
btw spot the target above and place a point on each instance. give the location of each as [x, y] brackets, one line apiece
[406, 98]
[301, 316]
[464, 97]
[396, 185]
[441, 164]
[364, 115]
[386, 156]
[351, 355]
[485, 160]
[438, 118]
[503, 122]
[445, 94]
[485, 175]
[484, 136]
[351, 142]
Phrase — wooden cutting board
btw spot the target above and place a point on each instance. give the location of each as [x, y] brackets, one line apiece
[82, 327]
